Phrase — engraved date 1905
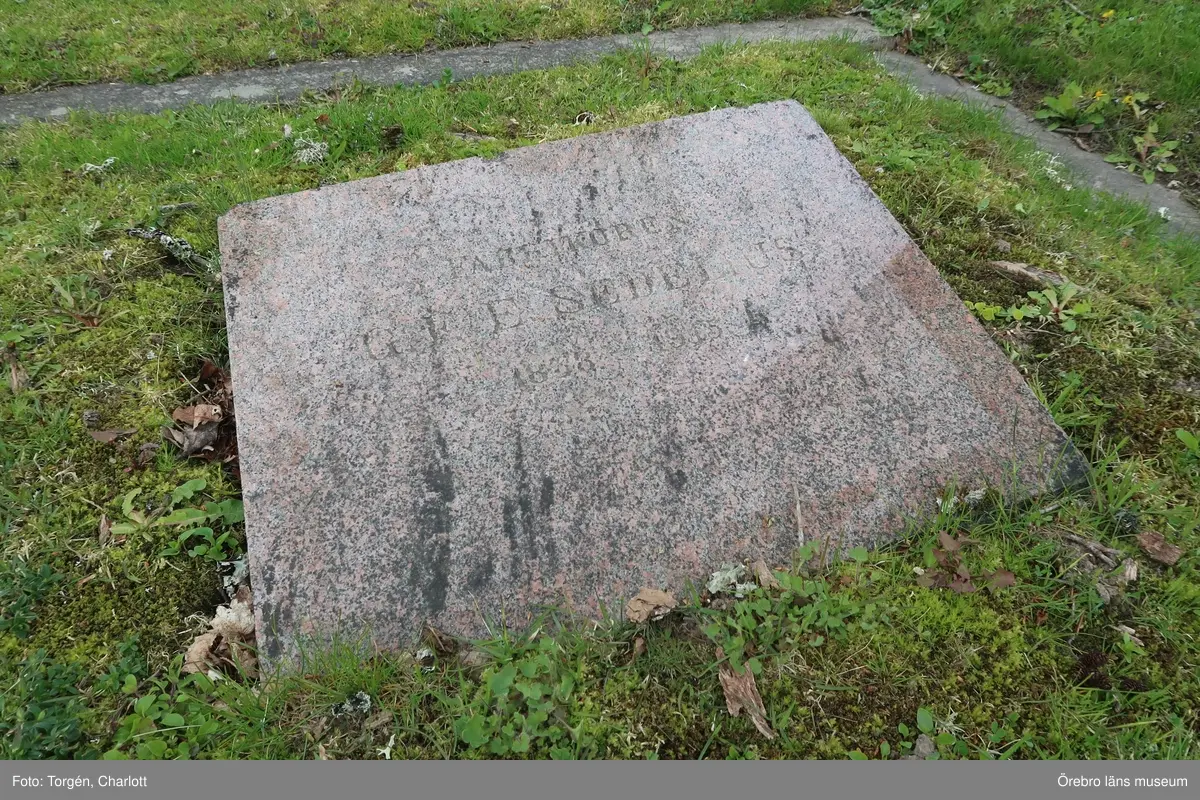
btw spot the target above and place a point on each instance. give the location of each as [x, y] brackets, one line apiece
[566, 362]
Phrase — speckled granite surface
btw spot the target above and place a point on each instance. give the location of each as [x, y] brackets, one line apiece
[553, 377]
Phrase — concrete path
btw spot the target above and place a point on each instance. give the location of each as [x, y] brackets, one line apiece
[1098, 174]
[288, 82]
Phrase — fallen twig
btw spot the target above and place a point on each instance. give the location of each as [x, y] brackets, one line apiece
[1027, 274]
[1108, 555]
[179, 248]
[1077, 9]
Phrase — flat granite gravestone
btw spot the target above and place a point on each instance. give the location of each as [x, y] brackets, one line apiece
[552, 377]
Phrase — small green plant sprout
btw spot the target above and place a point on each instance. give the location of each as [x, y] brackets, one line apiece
[804, 610]
[212, 546]
[1073, 108]
[198, 539]
[1057, 306]
[522, 703]
[1150, 157]
[979, 73]
[933, 739]
[943, 734]
[1131, 647]
[173, 719]
[985, 311]
[22, 587]
[1134, 103]
[657, 12]
[945, 569]
[77, 300]
[1190, 441]
[1002, 741]
[13, 335]
[989, 313]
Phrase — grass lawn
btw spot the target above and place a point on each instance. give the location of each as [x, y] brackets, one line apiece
[1133, 62]
[857, 658]
[51, 42]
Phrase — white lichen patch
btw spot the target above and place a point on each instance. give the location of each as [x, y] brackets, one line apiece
[729, 580]
[308, 150]
[96, 169]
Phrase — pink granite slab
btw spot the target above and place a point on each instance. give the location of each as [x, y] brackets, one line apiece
[468, 391]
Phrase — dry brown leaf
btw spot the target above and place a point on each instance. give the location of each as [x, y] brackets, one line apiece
[1001, 579]
[146, 453]
[192, 441]
[378, 720]
[762, 572]
[650, 604]
[962, 585]
[1155, 545]
[316, 728]
[17, 376]
[243, 595]
[199, 656]
[1027, 274]
[321, 754]
[228, 645]
[475, 661]
[88, 320]
[741, 693]
[108, 437]
[244, 658]
[443, 644]
[194, 416]
[234, 621]
[105, 530]
[219, 386]
[639, 648]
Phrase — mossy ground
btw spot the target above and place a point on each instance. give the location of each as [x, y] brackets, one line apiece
[1132, 60]
[1033, 670]
[45, 43]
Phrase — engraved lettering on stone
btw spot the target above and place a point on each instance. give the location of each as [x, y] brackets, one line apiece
[554, 364]
[604, 292]
[788, 252]
[567, 301]
[504, 256]
[379, 343]
[505, 314]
